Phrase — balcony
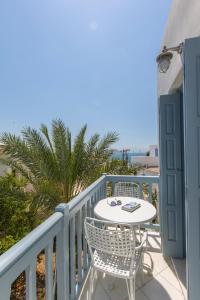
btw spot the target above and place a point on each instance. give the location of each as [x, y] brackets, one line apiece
[61, 243]
[160, 280]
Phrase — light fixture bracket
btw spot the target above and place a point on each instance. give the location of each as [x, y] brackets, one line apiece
[164, 58]
[178, 49]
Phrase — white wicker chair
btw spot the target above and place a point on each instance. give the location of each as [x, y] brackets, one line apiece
[114, 251]
[126, 189]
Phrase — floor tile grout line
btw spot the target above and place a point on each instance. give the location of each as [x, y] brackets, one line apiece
[180, 291]
[145, 295]
[142, 291]
[152, 278]
[178, 278]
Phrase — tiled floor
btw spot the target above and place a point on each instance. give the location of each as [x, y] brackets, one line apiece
[180, 267]
[160, 280]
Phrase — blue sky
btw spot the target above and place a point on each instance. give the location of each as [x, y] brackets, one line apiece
[86, 61]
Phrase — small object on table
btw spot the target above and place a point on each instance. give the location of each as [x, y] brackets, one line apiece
[115, 202]
[131, 206]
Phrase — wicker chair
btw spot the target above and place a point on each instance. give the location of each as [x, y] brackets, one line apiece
[126, 189]
[114, 251]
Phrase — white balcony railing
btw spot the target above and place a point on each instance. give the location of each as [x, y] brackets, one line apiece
[61, 237]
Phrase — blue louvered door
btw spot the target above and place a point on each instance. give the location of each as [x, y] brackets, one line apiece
[171, 175]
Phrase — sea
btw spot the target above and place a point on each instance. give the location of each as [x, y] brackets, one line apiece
[118, 155]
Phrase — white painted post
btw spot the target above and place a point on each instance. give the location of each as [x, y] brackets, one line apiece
[72, 259]
[84, 241]
[31, 280]
[104, 186]
[62, 254]
[5, 289]
[49, 271]
[79, 246]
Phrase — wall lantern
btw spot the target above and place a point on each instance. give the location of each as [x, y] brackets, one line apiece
[164, 59]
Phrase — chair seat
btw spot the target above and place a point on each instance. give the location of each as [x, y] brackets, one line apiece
[116, 265]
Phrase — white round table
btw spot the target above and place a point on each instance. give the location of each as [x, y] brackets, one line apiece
[145, 213]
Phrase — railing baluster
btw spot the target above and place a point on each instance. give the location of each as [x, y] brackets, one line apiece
[79, 246]
[31, 280]
[62, 255]
[72, 258]
[5, 289]
[113, 188]
[150, 193]
[140, 191]
[104, 189]
[101, 194]
[92, 207]
[88, 205]
[96, 197]
[49, 271]
[84, 241]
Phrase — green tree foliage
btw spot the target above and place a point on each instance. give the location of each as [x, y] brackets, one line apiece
[155, 197]
[148, 153]
[16, 220]
[57, 168]
[119, 167]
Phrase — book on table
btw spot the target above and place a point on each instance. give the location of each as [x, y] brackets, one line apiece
[131, 206]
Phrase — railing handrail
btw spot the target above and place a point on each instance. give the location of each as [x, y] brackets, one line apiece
[136, 177]
[76, 200]
[12, 255]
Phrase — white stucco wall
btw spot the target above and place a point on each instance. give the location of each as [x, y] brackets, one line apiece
[152, 150]
[183, 22]
[146, 161]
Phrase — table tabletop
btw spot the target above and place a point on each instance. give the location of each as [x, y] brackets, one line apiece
[145, 213]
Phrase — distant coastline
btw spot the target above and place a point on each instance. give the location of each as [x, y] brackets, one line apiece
[119, 155]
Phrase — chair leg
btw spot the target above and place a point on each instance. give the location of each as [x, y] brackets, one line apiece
[132, 289]
[91, 283]
[147, 245]
[141, 267]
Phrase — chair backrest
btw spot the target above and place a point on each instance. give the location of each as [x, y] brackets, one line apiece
[110, 238]
[126, 189]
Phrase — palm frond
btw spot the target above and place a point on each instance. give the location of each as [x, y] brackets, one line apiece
[92, 144]
[78, 159]
[16, 149]
[45, 131]
[62, 145]
[19, 168]
[43, 156]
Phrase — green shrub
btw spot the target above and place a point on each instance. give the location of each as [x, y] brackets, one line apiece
[16, 220]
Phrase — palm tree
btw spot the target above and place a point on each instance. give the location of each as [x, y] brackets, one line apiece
[56, 168]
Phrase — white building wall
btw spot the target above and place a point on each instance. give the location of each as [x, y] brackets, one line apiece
[153, 150]
[145, 161]
[183, 22]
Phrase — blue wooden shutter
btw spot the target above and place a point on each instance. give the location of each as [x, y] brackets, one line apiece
[171, 175]
[192, 163]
